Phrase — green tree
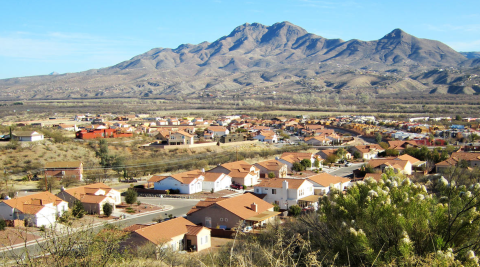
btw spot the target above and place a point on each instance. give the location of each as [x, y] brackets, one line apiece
[271, 175]
[356, 154]
[298, 167]
[3, 224]
[378, 138]
[107, 209]
[316, 163]
[77, 210]
[276, 207]
[306, 163]
[294, 210]
[131, 196]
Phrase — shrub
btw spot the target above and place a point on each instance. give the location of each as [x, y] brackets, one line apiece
[131, 196]
[42, 228]
[78, 211]
[276, 207]
[3, 224]
[244, 187]
[294, 210]
[271, 175]
[139, 203]
[107, 209]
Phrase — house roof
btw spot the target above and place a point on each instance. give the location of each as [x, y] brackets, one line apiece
[165, 231]
[33, 203]
[87, 193]
[368, 148]
[26, 133]
[183, 177]
[239, 169]
[292, 157]
[195, 229]
[271, 165]
[325, 179]
[63, 164]
[411, 159]
[183, 133]
[395, 162]
[320, 138]
[239, 205]
[217, 128]
[457, 156]
[376, 176]
[212, 176]
[400, 145]
[278, 182]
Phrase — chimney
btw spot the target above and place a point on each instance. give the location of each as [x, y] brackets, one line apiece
[285, 184]
[254, 207]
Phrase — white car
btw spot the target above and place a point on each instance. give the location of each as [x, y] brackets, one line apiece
[247, 229]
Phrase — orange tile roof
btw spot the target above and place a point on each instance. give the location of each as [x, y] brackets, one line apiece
[368, 148]
[217, 128]
[326, 179]
[195, 230]
[183, 177]
[239, 205]
[212, 176]
[391, 162]
[411, 159]
[33, 203]
[82, 192]
[376, 176]
[184, 133]
[295, 156]
[278, 183]
[165, 231]
[271, 165]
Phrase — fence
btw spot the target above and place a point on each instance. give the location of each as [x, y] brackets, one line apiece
[222, 233]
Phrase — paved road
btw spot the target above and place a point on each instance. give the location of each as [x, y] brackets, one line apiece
[346, 171]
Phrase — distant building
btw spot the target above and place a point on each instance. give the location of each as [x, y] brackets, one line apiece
[62, 169]
[27, 136]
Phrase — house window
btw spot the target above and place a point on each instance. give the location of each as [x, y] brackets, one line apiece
[274, 191]
[221, 219]
[226, 219]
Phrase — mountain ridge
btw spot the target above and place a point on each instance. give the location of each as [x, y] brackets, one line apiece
[250, 55]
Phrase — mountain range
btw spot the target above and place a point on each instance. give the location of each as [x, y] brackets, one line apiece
[282, 56]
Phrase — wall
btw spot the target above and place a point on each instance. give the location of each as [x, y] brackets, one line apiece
[215, 212]
[196, 240]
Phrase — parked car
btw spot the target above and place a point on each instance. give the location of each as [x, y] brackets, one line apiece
[236, 186]
[348, 164]
[247, 229]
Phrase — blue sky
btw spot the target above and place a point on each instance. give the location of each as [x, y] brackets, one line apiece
[39, 37]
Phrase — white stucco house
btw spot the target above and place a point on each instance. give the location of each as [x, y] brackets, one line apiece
[92, 197]
[242, 173]
[284, 192]
[180, 138]
[36, 210]
[323, 182]
[27, 136]
[216, 181]
[187, 182]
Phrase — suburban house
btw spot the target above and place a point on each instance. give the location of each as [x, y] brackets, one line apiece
[272, 166]
[227, 213]
[472, 160]
[401, 145]
[180, 138]
[399, 165]
[41, 209]
[285, 192]
[215, 131]
[267, 136]
[101, 133]
[416, 163]
[27, 136]
[216, 181]
[323, 181]
[241, 172]
[92, 197]
[368, 151]
[320, 140]
[328, 152]
[187, 182]
[291, 157]
[62, 169]
[175, 234]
